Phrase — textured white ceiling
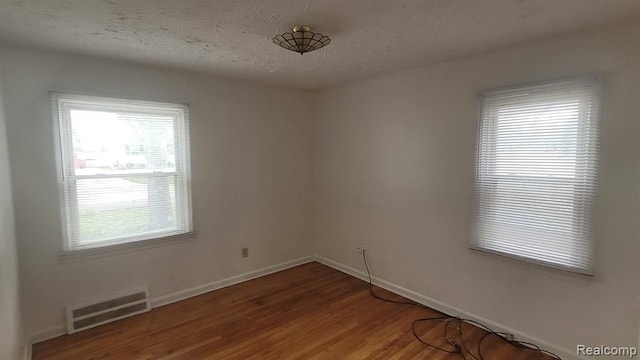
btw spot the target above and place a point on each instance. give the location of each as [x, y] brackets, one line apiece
[233, 37]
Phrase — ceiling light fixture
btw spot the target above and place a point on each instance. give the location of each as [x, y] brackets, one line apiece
[301, 40]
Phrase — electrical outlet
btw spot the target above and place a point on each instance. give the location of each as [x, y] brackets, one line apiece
[245, 252]
[360, 249]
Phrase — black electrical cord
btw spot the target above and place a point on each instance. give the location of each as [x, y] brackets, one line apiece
[456, 348]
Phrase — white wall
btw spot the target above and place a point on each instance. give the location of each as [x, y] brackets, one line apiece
[251, 180]
[394, 163]
[11, 342]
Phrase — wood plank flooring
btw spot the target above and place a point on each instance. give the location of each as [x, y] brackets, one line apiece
[307, 312]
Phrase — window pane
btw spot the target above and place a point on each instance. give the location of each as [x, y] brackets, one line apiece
[535, 176]
[107, 142]
[126, 207]
[537, 139]
[125, 170]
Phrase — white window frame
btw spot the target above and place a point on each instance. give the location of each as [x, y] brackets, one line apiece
[588, 126]
[62, 104]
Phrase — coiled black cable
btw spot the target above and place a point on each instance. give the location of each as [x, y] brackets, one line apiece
[455, 347]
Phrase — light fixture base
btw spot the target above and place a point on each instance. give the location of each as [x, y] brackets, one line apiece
[300, 28]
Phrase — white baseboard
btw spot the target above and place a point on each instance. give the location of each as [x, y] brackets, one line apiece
[177, 296]
[199, 290]
[409, 294]
[47, 334]
[26, 351]
[564, 353]
[43, 335]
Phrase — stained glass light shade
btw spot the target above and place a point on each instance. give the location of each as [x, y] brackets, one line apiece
[301, 40]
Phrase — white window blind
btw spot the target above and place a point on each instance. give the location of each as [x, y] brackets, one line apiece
[536, 173]
[124, 168]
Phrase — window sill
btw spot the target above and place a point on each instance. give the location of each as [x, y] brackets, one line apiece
[539, 263]
[90, 253]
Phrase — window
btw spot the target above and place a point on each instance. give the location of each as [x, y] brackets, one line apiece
[536, 173]
[124, 169]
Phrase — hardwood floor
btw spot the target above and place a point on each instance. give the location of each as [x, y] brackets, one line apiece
[307, 312]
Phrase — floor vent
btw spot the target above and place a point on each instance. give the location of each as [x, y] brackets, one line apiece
[88, 315]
